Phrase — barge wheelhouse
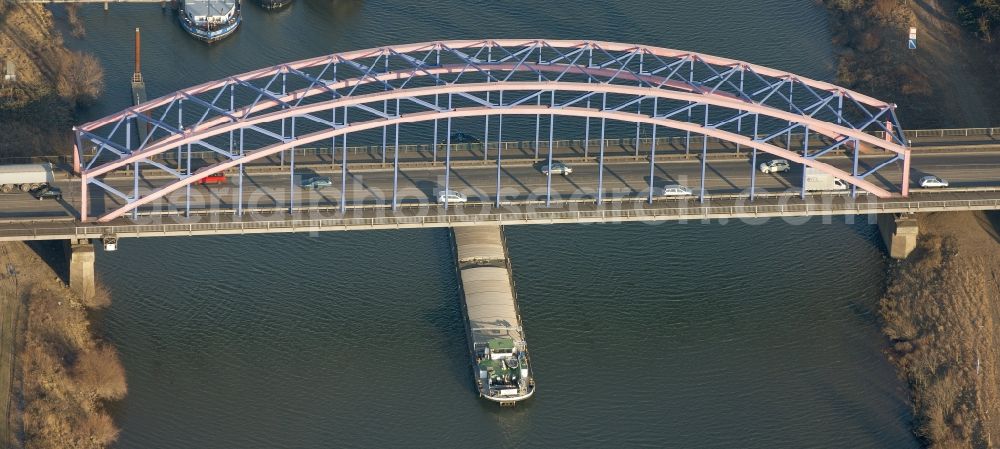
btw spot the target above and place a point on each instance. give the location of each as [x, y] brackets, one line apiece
[210, 20]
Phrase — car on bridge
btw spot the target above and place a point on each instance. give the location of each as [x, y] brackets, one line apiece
[451, 196]
[214, 178]
[462, 138]
[316, 182]
[676, 190]
[558, 168]
[47, 191]
[775, 165]
[930, 182]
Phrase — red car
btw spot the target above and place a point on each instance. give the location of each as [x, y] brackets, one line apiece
[214, 178]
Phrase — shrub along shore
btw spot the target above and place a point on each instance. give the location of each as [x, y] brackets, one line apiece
[940, 310]
[37, 109]
[64, 373]
[61, 375]
[942, 317]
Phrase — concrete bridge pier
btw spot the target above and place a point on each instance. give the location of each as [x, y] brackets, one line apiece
[899, 232]
[81, 267]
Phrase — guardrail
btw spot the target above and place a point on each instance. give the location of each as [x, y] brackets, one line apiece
[72, 230]
[954, 132]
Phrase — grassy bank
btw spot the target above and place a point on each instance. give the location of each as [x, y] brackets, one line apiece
[64, 374]
[37, 110]
[942, 316]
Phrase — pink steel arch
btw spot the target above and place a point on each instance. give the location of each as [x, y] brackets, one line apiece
[207, 129]
[691, 90]
[464, 44]
[520, 110]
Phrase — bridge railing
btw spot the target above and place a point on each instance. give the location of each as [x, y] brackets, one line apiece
[955, 132]
[597, 215]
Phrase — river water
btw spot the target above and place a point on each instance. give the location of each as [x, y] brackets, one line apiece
[688, 335]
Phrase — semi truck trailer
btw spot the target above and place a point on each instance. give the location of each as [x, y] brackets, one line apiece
[25, 177]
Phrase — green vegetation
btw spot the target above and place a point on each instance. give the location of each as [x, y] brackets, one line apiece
[982, 17]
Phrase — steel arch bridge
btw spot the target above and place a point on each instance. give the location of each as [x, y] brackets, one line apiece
[254, 115]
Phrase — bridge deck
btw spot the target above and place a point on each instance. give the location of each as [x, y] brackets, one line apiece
[720, 207]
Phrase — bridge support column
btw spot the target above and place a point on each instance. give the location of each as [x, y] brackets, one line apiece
[899, 232]
[81, 267]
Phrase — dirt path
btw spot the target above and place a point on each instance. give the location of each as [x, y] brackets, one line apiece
[10, 319]
[964, 84]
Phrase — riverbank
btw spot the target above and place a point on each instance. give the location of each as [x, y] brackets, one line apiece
[939, 311]
[61, 374]
[947, 81]
[942, 317]
[38, 107]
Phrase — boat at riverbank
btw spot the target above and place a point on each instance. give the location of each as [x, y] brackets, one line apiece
[210, 20]
[497, 345]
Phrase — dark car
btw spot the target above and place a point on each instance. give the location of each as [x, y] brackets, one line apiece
[462, 138]
[46, 191]
[316, 182]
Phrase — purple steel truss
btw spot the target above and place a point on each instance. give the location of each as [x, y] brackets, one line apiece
[287, 106]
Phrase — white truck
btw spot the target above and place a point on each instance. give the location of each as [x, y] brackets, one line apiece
[25, 177]
[816, 180]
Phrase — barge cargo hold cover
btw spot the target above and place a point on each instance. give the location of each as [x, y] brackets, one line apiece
[499, 352]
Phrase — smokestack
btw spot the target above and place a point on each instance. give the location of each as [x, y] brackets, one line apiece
[138, 64]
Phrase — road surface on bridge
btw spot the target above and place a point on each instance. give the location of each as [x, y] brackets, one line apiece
[670, 147]
[519, 181]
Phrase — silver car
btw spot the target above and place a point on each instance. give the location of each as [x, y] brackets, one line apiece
[558, 168]
[775, 166]
[928, 182]
[676, 190]
[451, 196]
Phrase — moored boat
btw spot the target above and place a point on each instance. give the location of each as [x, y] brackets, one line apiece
[210, 20]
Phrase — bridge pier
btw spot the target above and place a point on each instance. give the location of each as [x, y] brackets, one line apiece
[81, 267]
[899, 232]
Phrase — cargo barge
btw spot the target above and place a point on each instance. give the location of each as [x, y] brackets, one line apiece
[501, 366]
[210, 20]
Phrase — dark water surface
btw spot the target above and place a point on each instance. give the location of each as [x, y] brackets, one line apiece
[687, 335]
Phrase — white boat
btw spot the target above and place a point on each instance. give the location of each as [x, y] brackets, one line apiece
[210, 20]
